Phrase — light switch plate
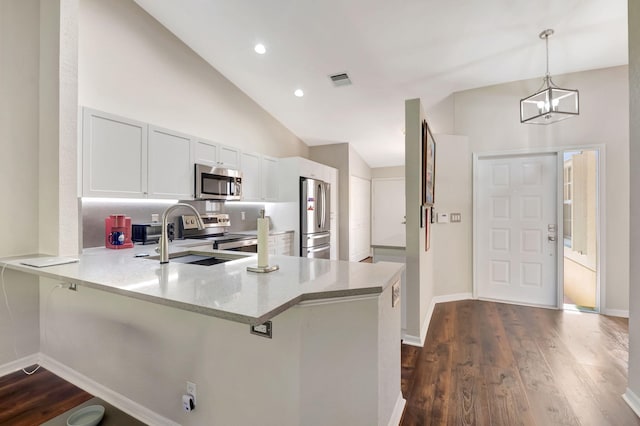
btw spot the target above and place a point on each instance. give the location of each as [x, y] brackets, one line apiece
[455, 217]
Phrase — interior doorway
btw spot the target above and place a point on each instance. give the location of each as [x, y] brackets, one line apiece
[580, 230]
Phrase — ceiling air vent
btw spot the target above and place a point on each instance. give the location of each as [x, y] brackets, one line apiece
[341, 79]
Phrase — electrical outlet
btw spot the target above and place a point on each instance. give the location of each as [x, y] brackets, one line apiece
[264, 329]
[191, 390]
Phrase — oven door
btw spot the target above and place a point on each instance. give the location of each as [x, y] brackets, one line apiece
[250, 245]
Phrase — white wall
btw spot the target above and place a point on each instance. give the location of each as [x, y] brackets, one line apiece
[357, 166]
[387, 172]
[489, 116]
[19, 94]
[19, 44]
[130, 65]
[452, 265]
[343, 157]
[58, 102]
[419, 273]
[634, 159]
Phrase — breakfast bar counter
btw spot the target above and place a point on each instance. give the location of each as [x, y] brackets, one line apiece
[226, 290]
[134, 331]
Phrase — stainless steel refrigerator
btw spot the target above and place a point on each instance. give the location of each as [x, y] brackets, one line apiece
[314, 218]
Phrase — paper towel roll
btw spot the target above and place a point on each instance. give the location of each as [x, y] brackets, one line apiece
[263, 242]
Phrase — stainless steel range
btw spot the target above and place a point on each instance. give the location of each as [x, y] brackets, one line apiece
[215, 230]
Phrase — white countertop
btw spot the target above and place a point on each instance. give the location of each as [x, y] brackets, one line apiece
[226, 290]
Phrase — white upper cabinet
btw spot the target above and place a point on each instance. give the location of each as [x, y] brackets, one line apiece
[259, 177]
[269, 168]
[311, 169]
[215, 155]
[114, 156]
[228, 157]
[128, 158]
[251, 185]
[205, 152]
[169, 164]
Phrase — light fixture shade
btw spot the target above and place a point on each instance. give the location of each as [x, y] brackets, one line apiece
[549, 105]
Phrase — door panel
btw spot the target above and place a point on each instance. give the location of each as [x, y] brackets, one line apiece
[388, 224]
[516, 219]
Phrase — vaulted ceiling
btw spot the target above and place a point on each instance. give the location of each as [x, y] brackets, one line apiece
[392, 51]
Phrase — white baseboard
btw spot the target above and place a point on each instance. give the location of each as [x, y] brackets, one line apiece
[632, 401]
[452, 297]
[396, 416]
[119, 401]
[615, 313]
[18, 364]
[409, 339]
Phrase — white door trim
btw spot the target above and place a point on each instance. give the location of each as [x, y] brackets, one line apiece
[601, 215]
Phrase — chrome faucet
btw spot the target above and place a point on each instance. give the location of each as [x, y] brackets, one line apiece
[163, 244]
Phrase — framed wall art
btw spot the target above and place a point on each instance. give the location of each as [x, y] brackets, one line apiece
[428, 165]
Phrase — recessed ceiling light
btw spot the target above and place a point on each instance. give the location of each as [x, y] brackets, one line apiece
[260, 49]
[299, 93]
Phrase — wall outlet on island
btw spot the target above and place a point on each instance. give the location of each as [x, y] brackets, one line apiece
[191, 390]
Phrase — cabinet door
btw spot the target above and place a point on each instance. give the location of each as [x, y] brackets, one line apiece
[333, 213]
[228, 157]
[388, 225]
[169, 163]
[269, 169]
[251, 185]
[284, 244]
[205, 152]
[359, 218]
[114, 154]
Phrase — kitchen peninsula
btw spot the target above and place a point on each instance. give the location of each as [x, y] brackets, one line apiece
[334, 357]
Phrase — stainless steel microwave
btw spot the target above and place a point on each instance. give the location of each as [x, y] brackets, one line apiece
[216, 183]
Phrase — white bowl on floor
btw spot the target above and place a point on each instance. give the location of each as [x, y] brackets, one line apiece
[87, 416]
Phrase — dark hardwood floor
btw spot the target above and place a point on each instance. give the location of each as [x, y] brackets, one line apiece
[31, 400]
[495, 364]
[483, 363]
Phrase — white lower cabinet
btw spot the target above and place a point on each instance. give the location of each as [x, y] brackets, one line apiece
[281, 244]
[284, 244]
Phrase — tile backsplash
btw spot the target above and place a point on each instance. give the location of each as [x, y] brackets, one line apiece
[243, 216]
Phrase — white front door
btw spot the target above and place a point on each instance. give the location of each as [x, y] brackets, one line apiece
[516, 229]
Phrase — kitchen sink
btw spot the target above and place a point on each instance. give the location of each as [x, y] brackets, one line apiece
[199, 258]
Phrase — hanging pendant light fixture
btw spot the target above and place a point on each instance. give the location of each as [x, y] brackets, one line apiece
[551, 103]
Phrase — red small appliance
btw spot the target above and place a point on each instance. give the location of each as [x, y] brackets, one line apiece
[117, 232]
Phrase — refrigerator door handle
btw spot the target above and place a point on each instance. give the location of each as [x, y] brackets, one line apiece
[324, 205]
[318, 201]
